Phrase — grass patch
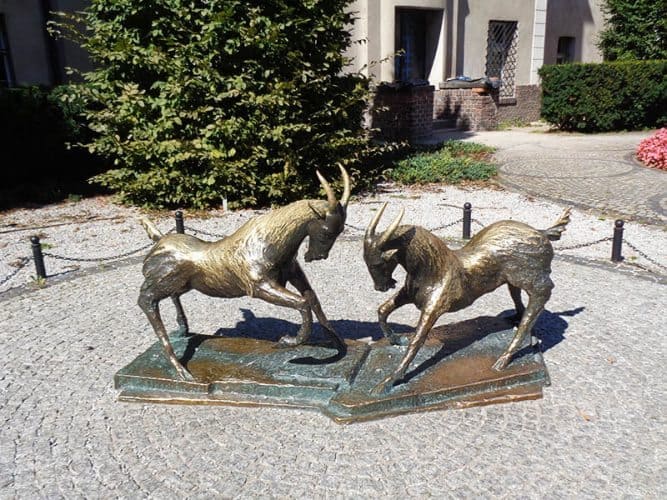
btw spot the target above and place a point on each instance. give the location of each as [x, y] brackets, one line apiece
[451, 162]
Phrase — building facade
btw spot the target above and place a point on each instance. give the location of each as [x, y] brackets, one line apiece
[28, 54]
[473, 63]
[465, 63]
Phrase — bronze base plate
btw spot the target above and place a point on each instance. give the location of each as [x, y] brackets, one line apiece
[449, 371]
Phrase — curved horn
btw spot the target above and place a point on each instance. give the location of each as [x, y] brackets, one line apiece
[390, 230]
[346, 186]
[331, 197]
[370, 230]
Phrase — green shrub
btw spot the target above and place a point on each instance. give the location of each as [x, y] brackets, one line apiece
[197, 100]
[634, 29]
[608, 96]
[451, 163]
[35, 130]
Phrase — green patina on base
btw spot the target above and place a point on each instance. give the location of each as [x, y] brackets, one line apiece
[450, 371]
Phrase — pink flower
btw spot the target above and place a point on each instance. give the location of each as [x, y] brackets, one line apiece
[652, 151]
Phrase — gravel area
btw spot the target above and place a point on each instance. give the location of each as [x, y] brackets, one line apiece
[95, 231]
[599, 431]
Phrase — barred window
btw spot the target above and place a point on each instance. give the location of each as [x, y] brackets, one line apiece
[6, 73]
[501, 55]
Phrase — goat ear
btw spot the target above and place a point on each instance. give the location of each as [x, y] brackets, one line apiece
[389, 254]
[320, 215]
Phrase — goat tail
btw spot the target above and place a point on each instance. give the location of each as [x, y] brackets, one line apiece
[152, 230]
[554, 232]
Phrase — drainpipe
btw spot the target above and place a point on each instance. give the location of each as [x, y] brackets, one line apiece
[55, 74]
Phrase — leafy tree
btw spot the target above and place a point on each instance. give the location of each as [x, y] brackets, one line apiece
[195, 100]
[636, 29]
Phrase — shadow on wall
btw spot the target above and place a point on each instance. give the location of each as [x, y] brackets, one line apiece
[454, 65]
[567, 18]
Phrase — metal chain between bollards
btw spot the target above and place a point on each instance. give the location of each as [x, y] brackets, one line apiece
[587, 244]
[96, 259]
[23, 262]
[201, 231]
[642, 254]
[445, 226]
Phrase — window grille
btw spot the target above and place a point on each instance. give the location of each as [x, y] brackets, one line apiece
[501, 55]
[6, 74]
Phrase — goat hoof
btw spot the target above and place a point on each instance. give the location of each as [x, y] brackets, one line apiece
[288, 341]
[501, 363]
[382, 388]
[185, 375]
[402, 340]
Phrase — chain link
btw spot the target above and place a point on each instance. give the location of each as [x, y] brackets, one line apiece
[23, 262]
[355, 228]
[583, 245]
[206, 233]
[652, 261]
[477, 222]
[97, 259]
[445, 226]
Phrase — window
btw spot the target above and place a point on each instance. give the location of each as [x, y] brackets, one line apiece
[565, 50]
[6, 73]
[501, 55]
[417, 34]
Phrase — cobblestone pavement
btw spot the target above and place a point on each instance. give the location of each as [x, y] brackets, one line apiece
[599, 432]
[596, 171]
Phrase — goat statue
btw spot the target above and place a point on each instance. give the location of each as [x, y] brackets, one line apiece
[441, 280]
[257, 261]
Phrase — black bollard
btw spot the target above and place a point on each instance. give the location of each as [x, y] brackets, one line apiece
[618, 242]
[467, 213]
[180, 228]
[38, 257]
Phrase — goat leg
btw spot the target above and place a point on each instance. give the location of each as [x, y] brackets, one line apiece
[149, 305]
[426, 322]
[272, 292]
[536, 302]
[399, 299]
[298, 278]
[515, 293]
[182, 321]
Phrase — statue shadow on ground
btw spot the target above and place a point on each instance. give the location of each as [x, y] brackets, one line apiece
[550, 329]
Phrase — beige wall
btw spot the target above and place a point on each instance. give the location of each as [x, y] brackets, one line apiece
[69, 53]
[27, 41]
[37, 58]
[461, 37]
[376, 24]
[474, 16]
[581, 19]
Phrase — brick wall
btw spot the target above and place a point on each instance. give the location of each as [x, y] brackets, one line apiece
[472, 111]
[403, 113]
[469, 110]
[525, 108]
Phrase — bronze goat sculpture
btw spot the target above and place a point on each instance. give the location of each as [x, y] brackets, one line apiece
[440, 280]
[257, 261]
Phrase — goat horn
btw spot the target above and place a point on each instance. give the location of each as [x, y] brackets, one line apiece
[370, 230]
[388, 233]
[331, 197]
[346, 186]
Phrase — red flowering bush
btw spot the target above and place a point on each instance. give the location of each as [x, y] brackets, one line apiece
[652, 151]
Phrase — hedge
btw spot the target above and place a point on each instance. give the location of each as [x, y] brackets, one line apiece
[627, 95]
[195, 101]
